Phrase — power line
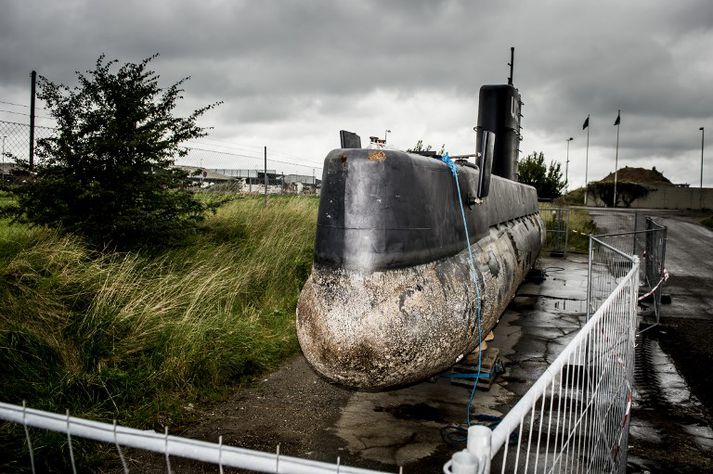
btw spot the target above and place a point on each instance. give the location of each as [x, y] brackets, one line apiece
[12, 103]
[224, 145]
[253, 157]
[256, 149]
[26, 115]
[19, 105]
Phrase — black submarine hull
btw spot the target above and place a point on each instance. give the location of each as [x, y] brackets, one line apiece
[390, 300]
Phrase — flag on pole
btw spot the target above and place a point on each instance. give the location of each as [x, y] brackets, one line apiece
[618, 118]
[586, 123]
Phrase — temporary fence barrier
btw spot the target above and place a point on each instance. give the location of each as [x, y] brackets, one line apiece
[167, 445]
[556, 220]
[576, 415]
[648, 242]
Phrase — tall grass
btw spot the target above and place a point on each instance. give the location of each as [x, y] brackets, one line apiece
[136, 337]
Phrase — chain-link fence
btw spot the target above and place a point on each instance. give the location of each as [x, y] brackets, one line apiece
[575, 418]
[15, 143]
[15, 140]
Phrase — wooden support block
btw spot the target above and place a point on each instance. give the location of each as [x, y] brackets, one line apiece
[469, 365]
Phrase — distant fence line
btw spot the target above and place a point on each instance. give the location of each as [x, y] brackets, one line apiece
[17, 147]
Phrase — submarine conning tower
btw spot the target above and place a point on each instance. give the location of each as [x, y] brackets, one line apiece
[499, 112]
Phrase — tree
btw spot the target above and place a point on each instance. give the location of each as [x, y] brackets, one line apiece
[107, 173]
[547, 180]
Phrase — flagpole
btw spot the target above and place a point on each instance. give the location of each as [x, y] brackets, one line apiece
[616, 153]
[586, 165]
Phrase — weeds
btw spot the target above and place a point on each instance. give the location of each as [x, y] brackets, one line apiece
[579, 227]
[135, 336]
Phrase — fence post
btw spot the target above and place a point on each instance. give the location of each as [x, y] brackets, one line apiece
[566, 231]
[265, 149]
[589, 279]
[33, 81]
[663, 235]
[475, 459]
[479, 444]
[636, 224]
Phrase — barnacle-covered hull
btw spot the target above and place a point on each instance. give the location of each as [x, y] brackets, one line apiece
[390, 299]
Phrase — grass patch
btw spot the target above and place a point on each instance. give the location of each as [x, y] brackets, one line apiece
[579, 227]
[136, 337]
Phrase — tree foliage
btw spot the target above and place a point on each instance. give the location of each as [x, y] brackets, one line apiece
[107, 173]
[626, 192]
[547, 180]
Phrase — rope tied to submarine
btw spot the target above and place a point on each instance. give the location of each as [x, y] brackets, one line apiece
[453, 167]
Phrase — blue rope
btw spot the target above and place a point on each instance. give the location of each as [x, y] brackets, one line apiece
[473, 275]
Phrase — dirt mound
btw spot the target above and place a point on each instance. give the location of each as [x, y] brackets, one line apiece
[644, 176]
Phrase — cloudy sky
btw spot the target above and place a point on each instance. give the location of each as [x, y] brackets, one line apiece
[293, 73]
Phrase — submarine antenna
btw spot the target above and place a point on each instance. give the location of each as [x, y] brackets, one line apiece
[511, 64]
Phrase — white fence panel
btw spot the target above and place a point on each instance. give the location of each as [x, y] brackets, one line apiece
[575, 418]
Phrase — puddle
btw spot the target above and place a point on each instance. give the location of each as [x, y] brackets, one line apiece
[401, 426]
[665, 399]
[644, 431]
[702, 435]
[670, 386]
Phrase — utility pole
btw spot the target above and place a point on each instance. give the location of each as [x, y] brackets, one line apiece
[33, 81]
[616, 153]
[703, 135]
[566, 164]
[265, 149]
[586, 163]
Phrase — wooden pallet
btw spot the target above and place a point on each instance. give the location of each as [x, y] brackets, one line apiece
[469, 365]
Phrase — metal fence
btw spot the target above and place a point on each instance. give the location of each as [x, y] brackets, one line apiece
[576, 415]
[15, 143]
[120, 437]
[557, 222]
[15, 139]
[648, 242]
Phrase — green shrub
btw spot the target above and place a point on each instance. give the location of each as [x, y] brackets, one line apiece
[107, 172]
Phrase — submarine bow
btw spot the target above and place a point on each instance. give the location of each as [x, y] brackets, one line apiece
[390, 300]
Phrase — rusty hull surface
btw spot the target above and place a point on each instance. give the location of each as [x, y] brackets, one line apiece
[394, 327]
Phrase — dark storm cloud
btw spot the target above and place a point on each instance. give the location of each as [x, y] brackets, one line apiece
[276, 61]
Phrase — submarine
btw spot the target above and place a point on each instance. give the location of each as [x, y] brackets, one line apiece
[417, 255]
